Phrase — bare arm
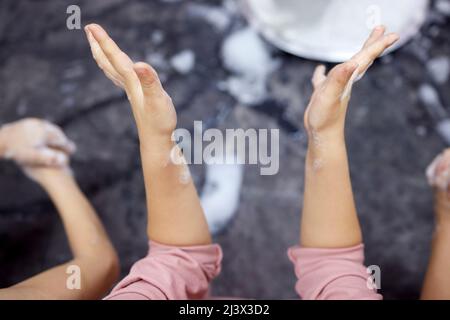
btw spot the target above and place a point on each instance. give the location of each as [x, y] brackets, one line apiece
[93, 254]
[329, 218]
[175, 216]
[437, 279]
[42, 150]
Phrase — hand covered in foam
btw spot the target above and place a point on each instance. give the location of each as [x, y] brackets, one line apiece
[438, 172]
[152, 107]
[438, 175]
[328, 105]
[34, 142]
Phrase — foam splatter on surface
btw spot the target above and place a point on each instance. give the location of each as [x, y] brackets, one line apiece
[183, 62]
[222, 185]
[249, 59]
[439, 68]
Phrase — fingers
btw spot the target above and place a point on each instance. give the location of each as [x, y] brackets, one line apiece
[44, 156]
[378, 47]
[103, 62]
[338, 79]
[376, 44]
[319, 76]
[120, 61]
[55, 138]
[375, 35]
[438, 172]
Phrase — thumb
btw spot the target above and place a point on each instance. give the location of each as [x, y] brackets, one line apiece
[149, 79]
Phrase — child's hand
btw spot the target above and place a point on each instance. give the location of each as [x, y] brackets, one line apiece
[326, 111]
[152, 107]
[35, 142]
[438, 172]
[438, 175]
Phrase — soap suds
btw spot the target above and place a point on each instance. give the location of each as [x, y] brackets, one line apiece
[246, 55]
[317, 164]
[157, 37]
[439, 178]
[439, 69]
[430, 98]
[315, 138]
[183, 62]
[218, 17]
[185, 176]
[221, 192]
[443, 6]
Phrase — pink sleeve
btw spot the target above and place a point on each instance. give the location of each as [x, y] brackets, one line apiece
[331, 274]
[173, 273]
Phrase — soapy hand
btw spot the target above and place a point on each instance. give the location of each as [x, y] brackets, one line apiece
[152, 107]
[438, 175]
[35, 142]
[39, 147]
[438, 172]
[328, 105]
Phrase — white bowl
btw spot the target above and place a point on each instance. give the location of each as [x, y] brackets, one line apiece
[331, 30]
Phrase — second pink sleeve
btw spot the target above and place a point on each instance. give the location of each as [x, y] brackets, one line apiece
[331, 274]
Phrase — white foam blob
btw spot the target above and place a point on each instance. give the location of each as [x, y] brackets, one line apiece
[439, 69]
[183, 62]
[246, 55]
[216, 16]
[220, 194]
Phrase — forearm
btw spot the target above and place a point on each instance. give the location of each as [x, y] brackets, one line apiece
[437, 279]
[84, 230]
[175, 215]
[329, 218]
[55, 283]
[95, 262]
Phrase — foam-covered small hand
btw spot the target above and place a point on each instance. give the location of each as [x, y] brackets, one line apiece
[35, 142]
[328, 105]
[438, 175]
[152, 107]
[438, 172]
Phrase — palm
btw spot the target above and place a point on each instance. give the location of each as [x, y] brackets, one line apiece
[329, 102]
[152, 107]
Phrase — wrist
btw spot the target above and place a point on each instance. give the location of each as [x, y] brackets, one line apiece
[55, 179]
[157, 149]
[324, 143]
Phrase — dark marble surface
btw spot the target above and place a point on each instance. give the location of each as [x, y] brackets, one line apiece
[47, 71]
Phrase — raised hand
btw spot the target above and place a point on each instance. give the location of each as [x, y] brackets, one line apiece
[175, 215]
[438, 175]
[329, 218]
[152, 107]
[328, 105]
[436, 284]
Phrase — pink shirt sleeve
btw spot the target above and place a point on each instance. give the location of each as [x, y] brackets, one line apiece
[331, 274]
[174, 273]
